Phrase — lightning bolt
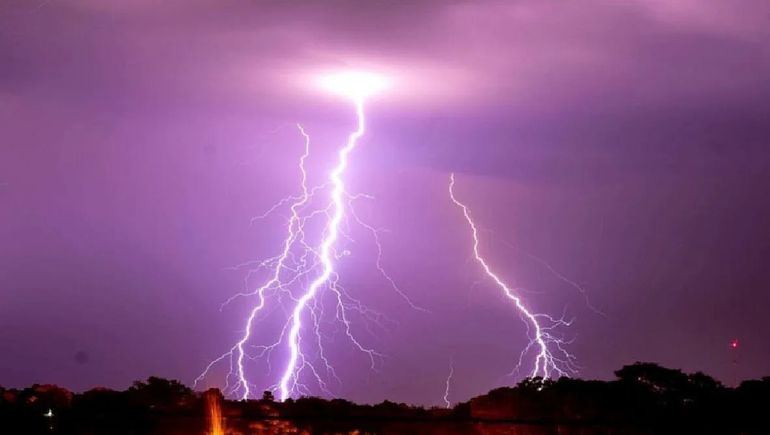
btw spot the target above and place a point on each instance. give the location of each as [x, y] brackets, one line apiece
[289, 272]
[448, 384]
[237, 353]
[551, 356]
[303, 277]
[332, 233]
[572, 283]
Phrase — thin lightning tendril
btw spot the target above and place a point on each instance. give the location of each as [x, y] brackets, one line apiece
[560, 276]
[293, 268]
[303, 278]
[325, 254]
[448, 384]
[552, 357]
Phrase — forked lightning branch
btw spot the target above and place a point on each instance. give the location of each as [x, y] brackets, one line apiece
[303, 277]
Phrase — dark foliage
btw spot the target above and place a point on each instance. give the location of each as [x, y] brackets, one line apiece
[645, 398]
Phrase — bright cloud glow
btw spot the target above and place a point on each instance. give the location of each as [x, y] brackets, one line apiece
[356, 85]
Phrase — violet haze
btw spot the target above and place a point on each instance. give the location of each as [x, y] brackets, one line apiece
[623, 146]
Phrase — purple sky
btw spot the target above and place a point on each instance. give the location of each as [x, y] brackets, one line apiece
[625, 143]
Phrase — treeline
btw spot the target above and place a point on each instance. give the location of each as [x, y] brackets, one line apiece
[644, 398]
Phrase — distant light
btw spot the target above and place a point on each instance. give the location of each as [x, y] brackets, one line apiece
[734, 344]
[354, 84]
[48, 414]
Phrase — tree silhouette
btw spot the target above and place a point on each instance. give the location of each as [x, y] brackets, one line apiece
[160, 393]
[645, 398]
[653, 377]
[268, 396]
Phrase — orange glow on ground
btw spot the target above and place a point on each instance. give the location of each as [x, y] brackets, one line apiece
[216, 422]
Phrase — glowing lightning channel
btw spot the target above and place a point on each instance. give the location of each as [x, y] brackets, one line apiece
[551, 357]
[294, 229]
[449, 384]
[292, 234]
[291, 270]
[302, 271]
[326, 251]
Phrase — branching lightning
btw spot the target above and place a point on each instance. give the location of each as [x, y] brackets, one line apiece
[551, 356]
[303, 275]
[289, 378]
[301, 283]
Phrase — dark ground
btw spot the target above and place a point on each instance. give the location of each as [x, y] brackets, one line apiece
[644, 399]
